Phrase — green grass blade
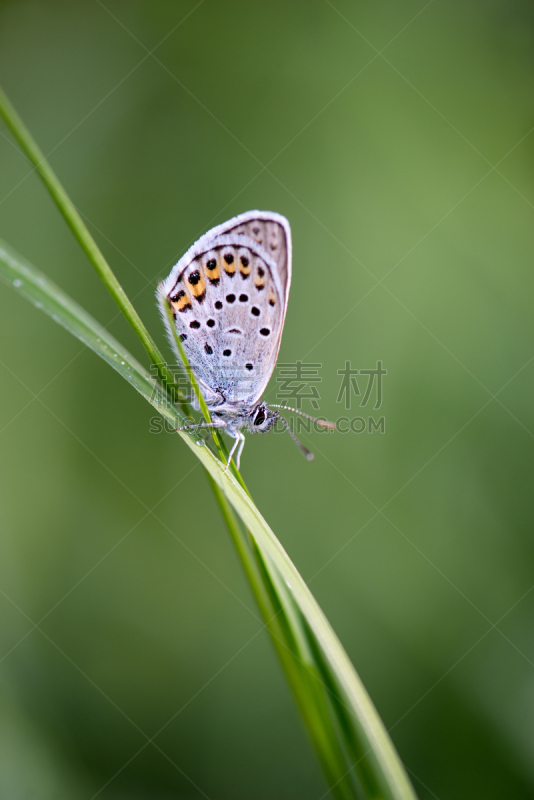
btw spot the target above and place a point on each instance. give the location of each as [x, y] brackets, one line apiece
[288, 641]
[302, 635]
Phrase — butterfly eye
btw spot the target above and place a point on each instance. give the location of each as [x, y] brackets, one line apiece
[259, 419]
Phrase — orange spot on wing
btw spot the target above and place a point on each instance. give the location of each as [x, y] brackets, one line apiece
[213, 273]
[198, 288]
[180, 301]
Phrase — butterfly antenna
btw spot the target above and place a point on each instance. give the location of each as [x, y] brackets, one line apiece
[323, 422]
[307, 454]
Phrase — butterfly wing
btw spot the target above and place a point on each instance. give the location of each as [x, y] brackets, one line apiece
[228, 296]
[272, 232]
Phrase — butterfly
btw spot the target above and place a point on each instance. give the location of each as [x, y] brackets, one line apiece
[228, 299]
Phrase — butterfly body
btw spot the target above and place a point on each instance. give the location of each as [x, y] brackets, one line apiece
[228, 297]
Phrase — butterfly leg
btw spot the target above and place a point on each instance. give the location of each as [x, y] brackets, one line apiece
[239, 451]
[239, 443]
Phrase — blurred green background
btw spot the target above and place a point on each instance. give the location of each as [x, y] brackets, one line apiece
[397, 139]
